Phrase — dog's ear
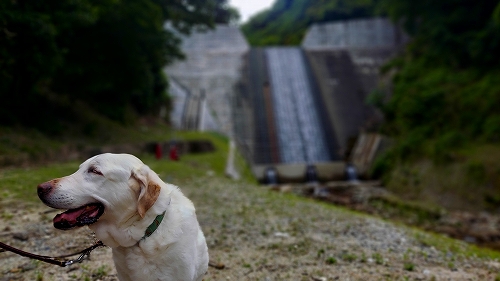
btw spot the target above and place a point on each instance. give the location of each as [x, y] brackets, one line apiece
[149, 189]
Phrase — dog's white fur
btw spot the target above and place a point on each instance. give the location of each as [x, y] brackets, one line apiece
[133, 195]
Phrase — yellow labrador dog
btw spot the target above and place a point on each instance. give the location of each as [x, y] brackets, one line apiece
[150, 225]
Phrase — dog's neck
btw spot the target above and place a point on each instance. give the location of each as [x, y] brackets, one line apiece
[132, 227]
[153, 226]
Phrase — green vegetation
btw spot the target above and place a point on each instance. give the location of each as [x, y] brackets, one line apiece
[448, 245]
[412, 213]
[331, 260]
[63, 60]
[285, 23]
[409, 266]
[39, 276]
[443, 111]
[20, 183]
[378, 258]
[349, 257]
[29, 145]
[471, 181]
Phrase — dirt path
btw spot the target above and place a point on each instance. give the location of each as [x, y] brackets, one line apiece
[257, 235]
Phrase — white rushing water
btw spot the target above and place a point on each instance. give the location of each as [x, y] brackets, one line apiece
[299, 130]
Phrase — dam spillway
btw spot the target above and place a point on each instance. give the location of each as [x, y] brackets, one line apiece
[298, 128]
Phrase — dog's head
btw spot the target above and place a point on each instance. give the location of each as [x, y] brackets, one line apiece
[114, 186]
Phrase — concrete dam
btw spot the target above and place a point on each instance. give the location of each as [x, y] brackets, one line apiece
[296, 118]
[287, 107]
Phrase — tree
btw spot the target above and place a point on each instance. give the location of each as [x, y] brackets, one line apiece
[224, 13]
[108, 54]
[286, 22]
[445, 90]
[457, 32]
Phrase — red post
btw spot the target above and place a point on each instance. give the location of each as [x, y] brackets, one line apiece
[174, 153]
[158, 151]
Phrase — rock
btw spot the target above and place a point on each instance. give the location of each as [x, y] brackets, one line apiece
[22, 236]
[282, 234]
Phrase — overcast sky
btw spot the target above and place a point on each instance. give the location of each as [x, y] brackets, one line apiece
[248, 8]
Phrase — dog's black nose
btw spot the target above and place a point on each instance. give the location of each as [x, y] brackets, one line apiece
[44, 188]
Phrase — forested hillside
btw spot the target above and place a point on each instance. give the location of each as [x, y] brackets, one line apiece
[447, 82]
[444, 112]
[285, 23]
[62, 59]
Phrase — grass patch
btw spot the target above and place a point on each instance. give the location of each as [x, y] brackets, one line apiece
[413, 213]
[331, 260]
[470, 182]
[349, 257]
[20, 183]
[18, 146]
[457, 247]
[408, 266]
[377, 257]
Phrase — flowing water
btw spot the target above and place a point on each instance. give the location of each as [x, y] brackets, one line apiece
[299, 130]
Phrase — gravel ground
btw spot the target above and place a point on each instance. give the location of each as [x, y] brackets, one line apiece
[256, 234]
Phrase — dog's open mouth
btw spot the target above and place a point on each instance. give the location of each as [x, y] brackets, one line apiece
[84, 215]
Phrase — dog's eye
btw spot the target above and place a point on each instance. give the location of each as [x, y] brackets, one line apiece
[94, 170]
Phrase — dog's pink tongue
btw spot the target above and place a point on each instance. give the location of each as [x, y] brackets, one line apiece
[67, 217]
[76, 217]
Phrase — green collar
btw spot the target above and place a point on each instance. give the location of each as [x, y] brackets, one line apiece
[153, 226]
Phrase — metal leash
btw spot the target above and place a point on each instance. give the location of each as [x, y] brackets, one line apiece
[54, 260]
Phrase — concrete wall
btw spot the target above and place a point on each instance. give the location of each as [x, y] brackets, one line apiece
[179, 96]
[354, 34]
[212, 70]
[345, 58]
